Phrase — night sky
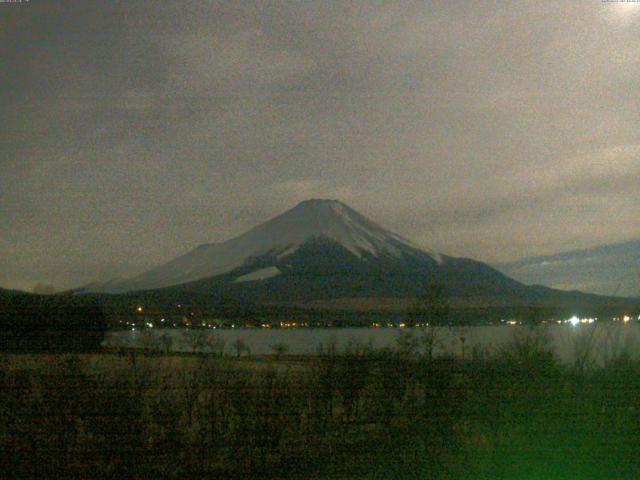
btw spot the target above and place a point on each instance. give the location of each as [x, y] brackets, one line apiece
[132, 131]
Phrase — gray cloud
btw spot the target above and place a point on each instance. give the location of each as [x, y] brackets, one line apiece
[134, 131]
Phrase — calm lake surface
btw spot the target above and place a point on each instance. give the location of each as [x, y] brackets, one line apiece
[601, 342]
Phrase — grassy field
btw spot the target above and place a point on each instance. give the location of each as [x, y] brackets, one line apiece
[395, 413]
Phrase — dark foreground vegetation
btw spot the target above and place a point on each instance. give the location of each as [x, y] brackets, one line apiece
[397, 413]
[50, 323]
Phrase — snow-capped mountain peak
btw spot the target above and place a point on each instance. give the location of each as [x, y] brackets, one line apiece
[330, 219]
[280, 237]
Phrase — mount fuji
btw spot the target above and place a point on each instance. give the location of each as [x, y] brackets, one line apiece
[323, 250]
[268, 249]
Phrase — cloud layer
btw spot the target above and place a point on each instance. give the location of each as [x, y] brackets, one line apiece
[134, 131]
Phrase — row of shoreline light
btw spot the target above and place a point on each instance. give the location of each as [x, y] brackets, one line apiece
[573, 321]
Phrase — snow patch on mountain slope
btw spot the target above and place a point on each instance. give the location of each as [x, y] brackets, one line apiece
[261, 274]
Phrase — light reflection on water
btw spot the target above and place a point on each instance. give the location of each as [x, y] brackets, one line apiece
[601, 342]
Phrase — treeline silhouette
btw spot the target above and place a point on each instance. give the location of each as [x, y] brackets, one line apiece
[362, 413]
[56, 323]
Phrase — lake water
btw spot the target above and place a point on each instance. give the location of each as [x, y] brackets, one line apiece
[602, 341]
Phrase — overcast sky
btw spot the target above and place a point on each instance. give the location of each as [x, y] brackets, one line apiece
[132, 131]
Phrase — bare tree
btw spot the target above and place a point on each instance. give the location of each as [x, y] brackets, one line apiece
[429, 339]
[148, 341]
[584, 339]
[407, 343]
[461, 333]
[279, 349]
[432, 306]
[166, 342]
[217, 345]
[330, 349]
[241, 347]
[195, 339]
[616, 344]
